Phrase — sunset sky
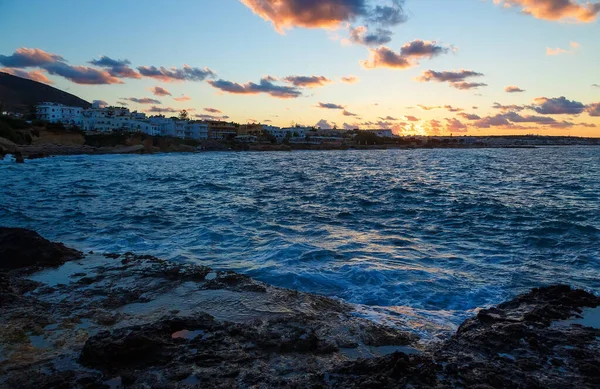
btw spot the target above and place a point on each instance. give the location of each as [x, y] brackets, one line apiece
[470, 67]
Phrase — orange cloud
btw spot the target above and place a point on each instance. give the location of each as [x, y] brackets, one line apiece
[513, 89]
[24, 57]
[553, 10]
[308, 81]
[350, 79]
[406, 58]
[182, 98]
[35, 75]
[158, 91]
[298, 13]
[558, 50]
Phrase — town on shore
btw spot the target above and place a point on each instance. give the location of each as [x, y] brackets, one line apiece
[56, 129]
[102, 119]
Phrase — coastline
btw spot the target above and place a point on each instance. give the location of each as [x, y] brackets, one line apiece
[54, 150]
[111, 320]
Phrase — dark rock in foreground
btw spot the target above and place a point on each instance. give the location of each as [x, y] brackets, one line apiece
[20, 248]
[138, 322]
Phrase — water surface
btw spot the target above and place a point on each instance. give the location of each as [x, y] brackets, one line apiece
[416, 237]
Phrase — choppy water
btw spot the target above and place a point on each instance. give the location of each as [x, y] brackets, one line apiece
[419, 238]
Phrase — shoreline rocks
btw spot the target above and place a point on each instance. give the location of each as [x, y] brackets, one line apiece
[108, 321]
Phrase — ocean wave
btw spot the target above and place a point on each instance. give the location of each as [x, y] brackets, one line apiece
[421, 238]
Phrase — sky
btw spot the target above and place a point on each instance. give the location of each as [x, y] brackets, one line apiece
[424, 67]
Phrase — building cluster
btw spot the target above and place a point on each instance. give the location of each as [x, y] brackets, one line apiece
[100, 119]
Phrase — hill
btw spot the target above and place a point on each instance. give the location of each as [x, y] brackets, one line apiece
[20, 94]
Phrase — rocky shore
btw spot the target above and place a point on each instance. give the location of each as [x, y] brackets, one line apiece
[74, 320]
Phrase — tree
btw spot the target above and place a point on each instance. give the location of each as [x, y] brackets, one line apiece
[183, 115]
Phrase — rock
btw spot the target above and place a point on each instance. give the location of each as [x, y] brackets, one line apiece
[20, 248]
[19, 157]
[522, 343]
[138, 321]
[7, 146]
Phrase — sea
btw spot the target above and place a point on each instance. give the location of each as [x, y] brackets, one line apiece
[418, 239]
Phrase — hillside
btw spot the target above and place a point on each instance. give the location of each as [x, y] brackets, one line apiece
[20, 94]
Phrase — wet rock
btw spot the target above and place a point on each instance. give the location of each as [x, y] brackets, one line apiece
[524, 343]
[20, 248]
[139, 322]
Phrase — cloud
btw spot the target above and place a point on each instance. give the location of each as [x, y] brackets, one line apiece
[558, 50]
[82, 74]
[212, 110]
[408, 56]
[144, 100]
[411, 118]
[116, 67]
[553, 10]
[557, 106]
[385, 57]
[593, 109]
[325, 125]
[308, 81]
[158, 91]
[516, 118]
[513, 89]
[286, 14]
[467, 85]
[454, 125]
[456, 79]
[512, 107]
[469, 116]
[55, 64]
[428, 108]
[388, 15]
[362, 36]
[187, 73]
[508, 118]
[422, 49]
[595, 85]
[492, 121]
[182, 98]
[453, 109]
[34, 75]
[448, 76]
[100, 103]
[346, 113]
[156, 109]
[265, 86]
[24, 58]
[330, 106]
[354, 79]
[211, 117]
[388, 118]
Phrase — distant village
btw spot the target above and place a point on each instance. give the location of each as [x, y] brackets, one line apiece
[101, 119]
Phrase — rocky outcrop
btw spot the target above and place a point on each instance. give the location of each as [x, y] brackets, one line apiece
[137, 322]
[7, 147]
[58, 137]
[527, 342]
[21, 248]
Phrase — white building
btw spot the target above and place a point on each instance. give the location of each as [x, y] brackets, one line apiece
[109, 119]
[55, 112]
[166, 126]
[384, 133]
[196, 130]
[295, 133]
